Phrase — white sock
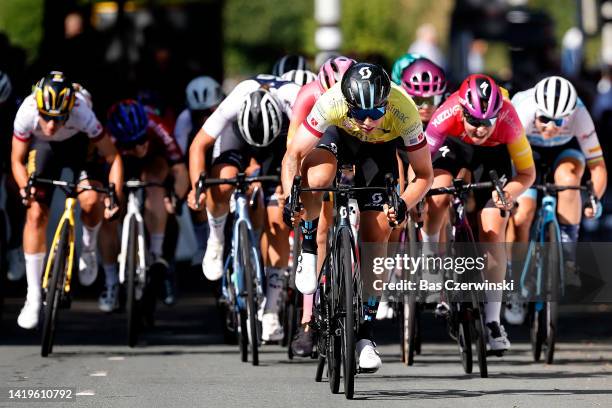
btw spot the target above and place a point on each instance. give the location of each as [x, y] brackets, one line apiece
[111, 274]
[430, 237]
[274, 277]
[216, 224]
[90, 236]
[156, 244]
[34, 269]
[493, 306]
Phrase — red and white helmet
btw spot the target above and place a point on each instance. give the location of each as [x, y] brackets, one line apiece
[480, 96]
[332, 70]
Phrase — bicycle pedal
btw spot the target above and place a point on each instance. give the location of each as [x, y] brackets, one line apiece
[366, 371]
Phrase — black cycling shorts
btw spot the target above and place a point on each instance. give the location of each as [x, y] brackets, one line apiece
[455, 155]
[372, 162]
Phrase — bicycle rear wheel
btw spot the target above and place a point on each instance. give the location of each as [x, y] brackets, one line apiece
[132, 308]
[345, 271]
[55, 287]
[249, 269]
[553, 270]
[334, 346]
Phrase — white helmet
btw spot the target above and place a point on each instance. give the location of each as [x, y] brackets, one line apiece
[555, 97]
[260, 118]
[202, 93]
[5, 87]
[299, 76]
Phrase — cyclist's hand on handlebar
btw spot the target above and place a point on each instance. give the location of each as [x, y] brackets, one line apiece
[27, 199]
[191, 200]
[591, 212]
[509, 201]
[292, 219]
[280, 197]
[396, 216]
[111, 210]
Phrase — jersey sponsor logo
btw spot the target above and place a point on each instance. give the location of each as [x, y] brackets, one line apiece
[587, 135]
[595, 149]
[365, 72]
[445, 114]
[395, 111]
[444, 150]
[314, 122]
[377, 198]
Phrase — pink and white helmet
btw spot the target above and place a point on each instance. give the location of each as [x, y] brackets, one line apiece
[423, 78]
[332, 70]
[480, 96]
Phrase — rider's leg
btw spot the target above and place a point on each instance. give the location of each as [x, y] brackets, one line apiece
[155, 214]
[109, 250]
[318, 171]
[92, 211]
[436, 208]
[569, 171]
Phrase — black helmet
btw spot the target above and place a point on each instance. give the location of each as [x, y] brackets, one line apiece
[55, 95]
[366, 86]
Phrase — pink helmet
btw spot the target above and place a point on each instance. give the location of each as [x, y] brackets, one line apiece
[480, 96]
[423, 78]
[332, 70]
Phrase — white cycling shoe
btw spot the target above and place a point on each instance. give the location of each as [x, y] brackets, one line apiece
[306, 273]
[28, 317]
[497, 337]
[109, 299]
[369, 359]
[271, 329]
[88, 267]
[385, 311]
[515, 310]
[212, 264]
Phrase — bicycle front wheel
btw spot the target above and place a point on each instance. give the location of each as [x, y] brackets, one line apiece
[130, 259]
[344, 258]
[55, 287]
[250, 269]
[553, 270]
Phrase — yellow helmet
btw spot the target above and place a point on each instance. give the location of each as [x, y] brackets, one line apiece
[54, 94]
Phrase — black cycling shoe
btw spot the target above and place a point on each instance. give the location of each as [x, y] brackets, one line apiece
[303, 343]
[168, 296]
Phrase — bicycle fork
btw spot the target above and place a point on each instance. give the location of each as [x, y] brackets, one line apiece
[68, 217]
[140, 242]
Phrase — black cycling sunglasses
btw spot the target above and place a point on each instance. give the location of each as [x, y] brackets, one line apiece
[545, 120]
[363, 114]
[53, 118]
[472, 121]
[131, 145]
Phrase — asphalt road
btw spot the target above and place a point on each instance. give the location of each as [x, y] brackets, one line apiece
[183, 362]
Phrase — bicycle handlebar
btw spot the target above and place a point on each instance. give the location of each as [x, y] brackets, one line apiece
[240, 180]
[70, 188]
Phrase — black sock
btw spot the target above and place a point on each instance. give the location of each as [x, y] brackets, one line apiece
[309, 234]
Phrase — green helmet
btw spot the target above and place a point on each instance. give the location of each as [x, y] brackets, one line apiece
[401, 64]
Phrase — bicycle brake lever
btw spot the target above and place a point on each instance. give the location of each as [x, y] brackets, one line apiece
[500, 192]
[199, 189]
[391, 195]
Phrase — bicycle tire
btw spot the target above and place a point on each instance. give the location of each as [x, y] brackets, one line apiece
[409, 328]
[334, 346]
[344, 258]
[3, 261]
[537, 333]
[464, 341]
[54, 290]
[249, 282]
[320, 367]
[244, 335]
[552, 305]
[481, 338]
[133, 313]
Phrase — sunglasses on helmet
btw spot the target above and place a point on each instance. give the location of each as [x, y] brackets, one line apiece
[476, 122]
[362, 114]
[546, 120]
[54, 118]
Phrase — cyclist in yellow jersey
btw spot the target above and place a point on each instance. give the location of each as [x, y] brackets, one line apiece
[358, 121]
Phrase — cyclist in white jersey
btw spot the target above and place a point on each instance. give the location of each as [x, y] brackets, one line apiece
[562, 135]
[52, 130]
[248, 130]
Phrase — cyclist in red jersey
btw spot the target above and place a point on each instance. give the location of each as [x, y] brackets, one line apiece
[485, 134]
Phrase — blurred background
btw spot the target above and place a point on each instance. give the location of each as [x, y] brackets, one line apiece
[152, 48]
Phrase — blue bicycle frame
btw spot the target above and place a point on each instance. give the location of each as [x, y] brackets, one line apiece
[241, 216]
[546, 214]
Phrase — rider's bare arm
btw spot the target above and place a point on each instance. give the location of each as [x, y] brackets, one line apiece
[108, 150]
[303, 142]
[197, 154]
[19, 153]
[420, 161]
